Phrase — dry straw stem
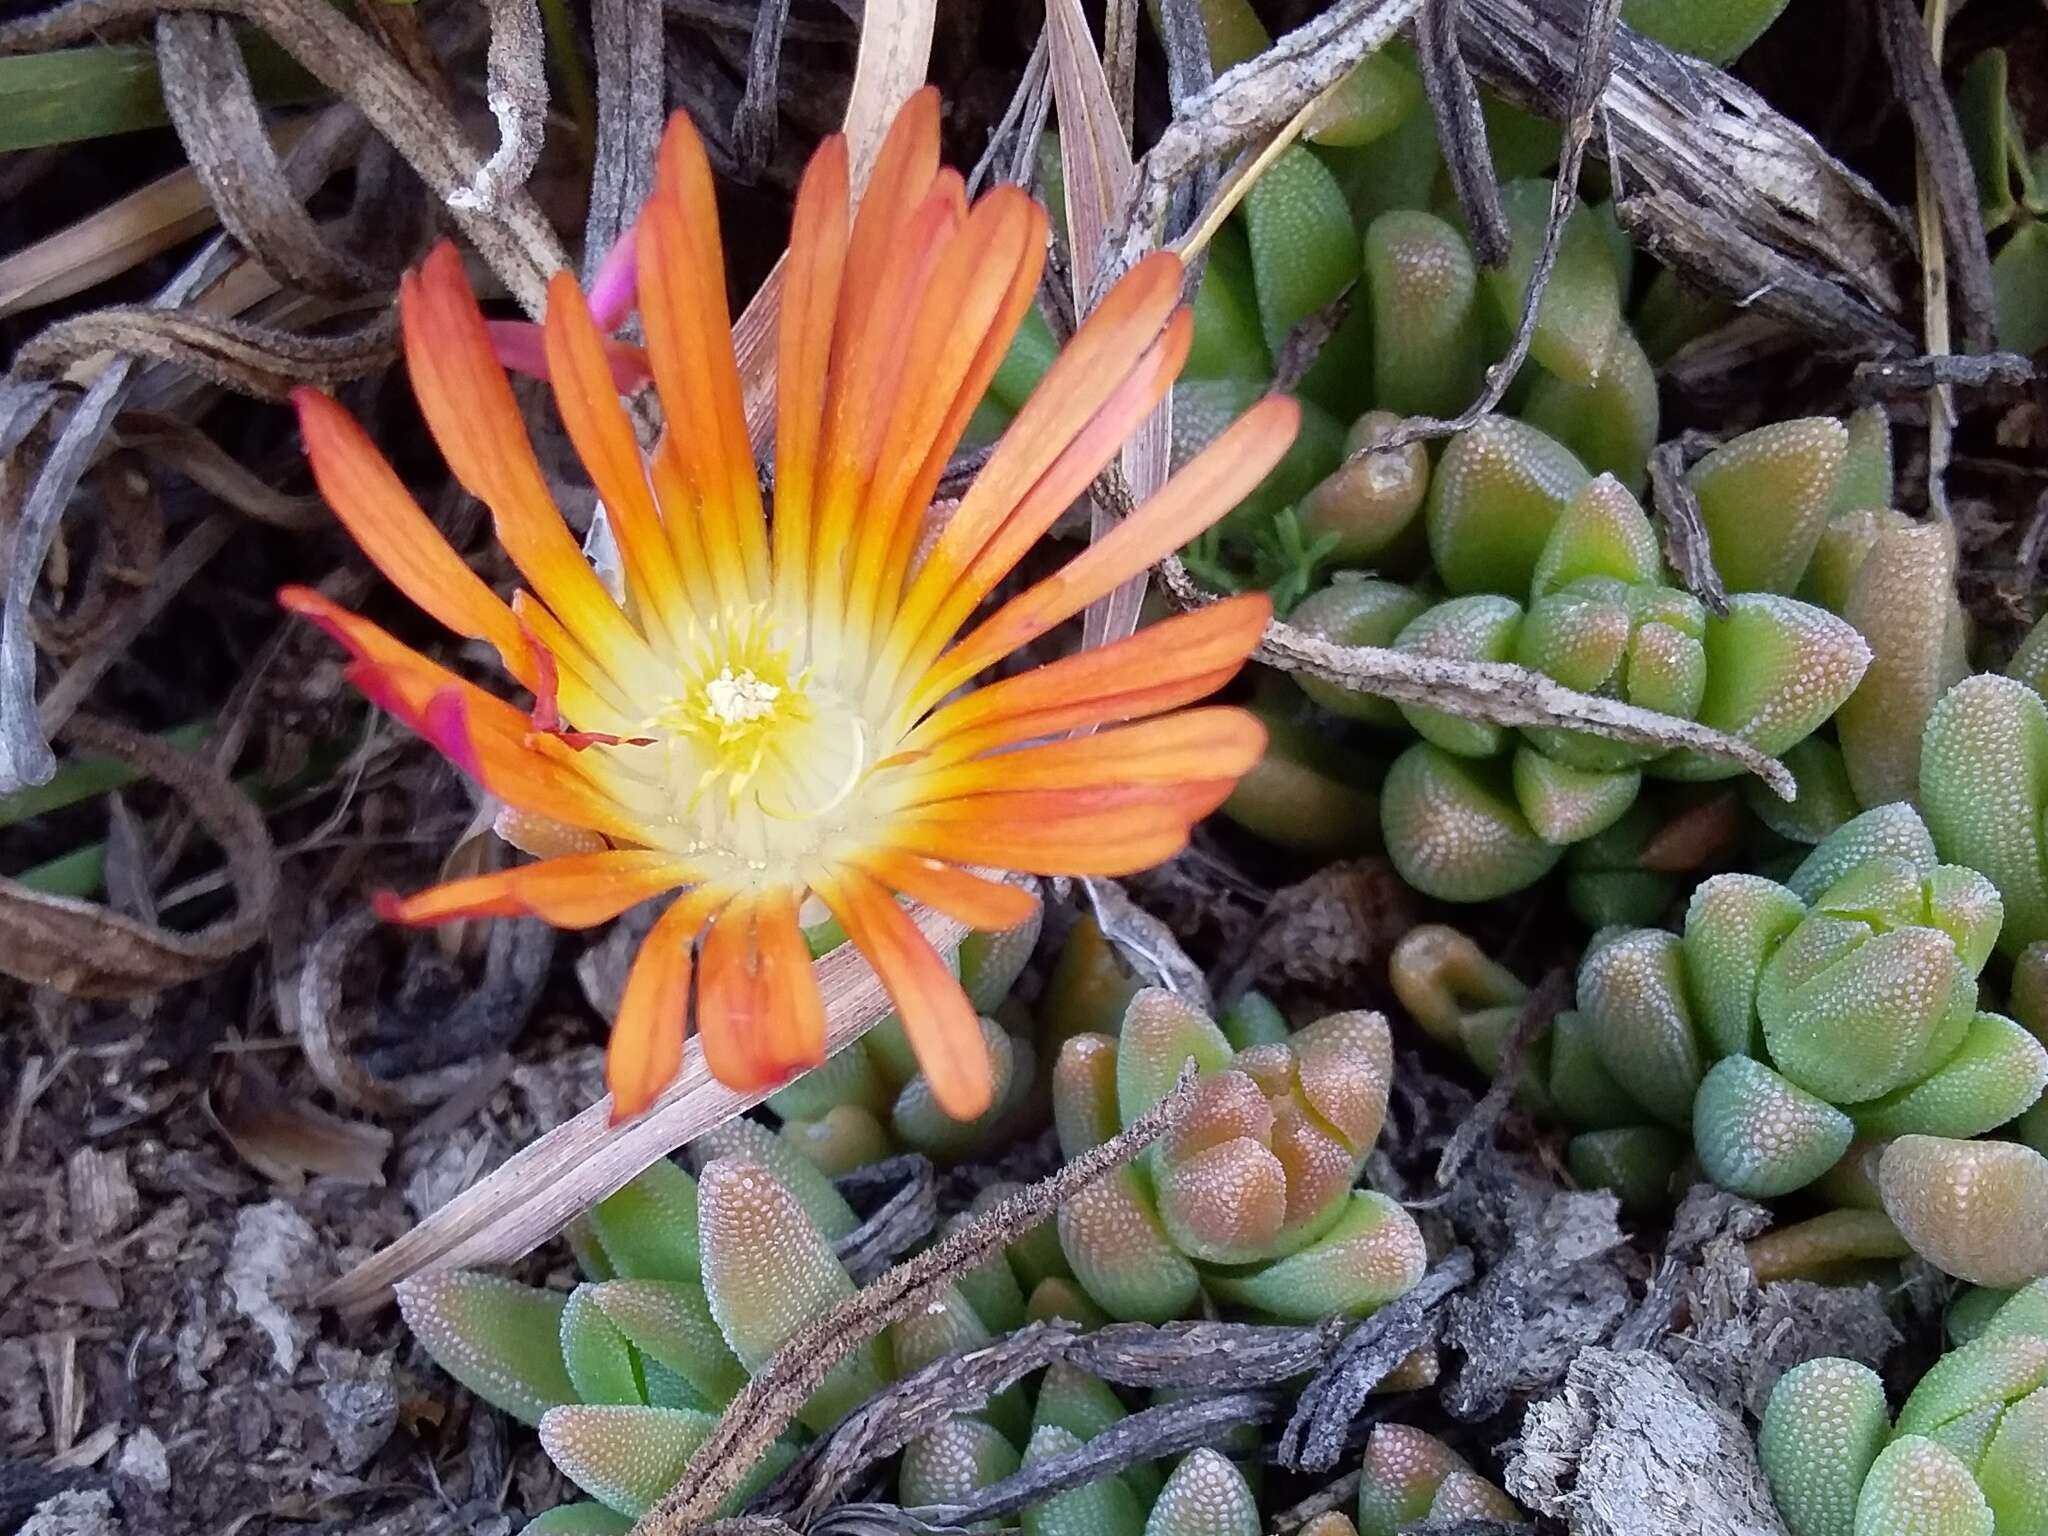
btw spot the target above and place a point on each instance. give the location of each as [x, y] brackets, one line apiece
[769, 1402]
[1495, 691]
[1687, 548]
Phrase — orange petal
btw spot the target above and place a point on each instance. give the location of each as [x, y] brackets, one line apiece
[810, 299]
[959, 893]
[1111, 831]
[760, 1017]
[1205, 488]
[470, 409]
[936, 1014]
[389, 527]
[579, 890]
[1181, 748]
[484, 736]
[957, 338]
[864, 384]
[898, 182]
[646, 1046]
[689, 343]
[983, 542]
[603, 434]
[1162, 666]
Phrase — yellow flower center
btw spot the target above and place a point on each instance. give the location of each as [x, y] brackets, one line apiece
[761, 753]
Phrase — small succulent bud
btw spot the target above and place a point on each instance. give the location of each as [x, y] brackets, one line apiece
[1369, 505]
[1089, 987]
[1983, 785]
[1304, 251]
[1355, 611]
[1105, 1507]
[1424, 288]
[1496, 492]
[1443, 979]
[1764, 499]
[1581, 307]
[1900, 602]
[1454, 829]
[1977, 1209]
[1063, 1299]
[1824, 1426]
[1864, 481]
[1306, 791]
[842, 1139]
[1610, 424]
[1483, 627]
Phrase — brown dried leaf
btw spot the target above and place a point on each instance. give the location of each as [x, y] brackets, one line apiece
[89, 950]
[284, 1138]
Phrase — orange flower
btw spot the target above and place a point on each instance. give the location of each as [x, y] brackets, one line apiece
[767, 711]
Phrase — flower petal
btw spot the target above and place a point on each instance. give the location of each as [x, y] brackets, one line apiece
[760, 1018]
[1162, 666]
[1105, 831]
[866, 379]
[689, 342]
[646, 1046]
[470, 409]
[578, 890]
[958, 336]
[1205, 488]
[603, 434]
[522, 347]
[1185, 747]
[810, 300]
[484, 736]
[959, 893]
[936, 1015]
[1110, 377]
[389, 527]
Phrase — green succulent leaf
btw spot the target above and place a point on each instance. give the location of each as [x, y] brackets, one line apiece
[1304, 250]
[1983, 784]
[1764, 499]
[1632, 991]
[1918, 1486]
[1997, 1072]
[1610, 424]
[1423, 287]
[1454, 830]
[1480, 627]
[583, 1518]
[1635, 1162]
[1581, 308]
[1497, 492]
[1825, 1424]
[670, 1321]
[1759, 1135]
[1976, 1209]
[500, 1339]
[1373, 1255]
[649, 1228]
[1402, 1469]
[749, 1139]
[599, 1360]
[628, 1457]
[1204, 1496]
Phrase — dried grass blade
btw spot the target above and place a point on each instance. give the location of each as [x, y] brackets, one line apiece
[1098, 173]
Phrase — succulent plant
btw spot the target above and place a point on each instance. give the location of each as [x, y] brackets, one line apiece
[1409, 1475]
[869, 1100]
[691, 1285]
[1983, 787]
[1967, 1455]
[1474, 811]
[1250, 1198]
